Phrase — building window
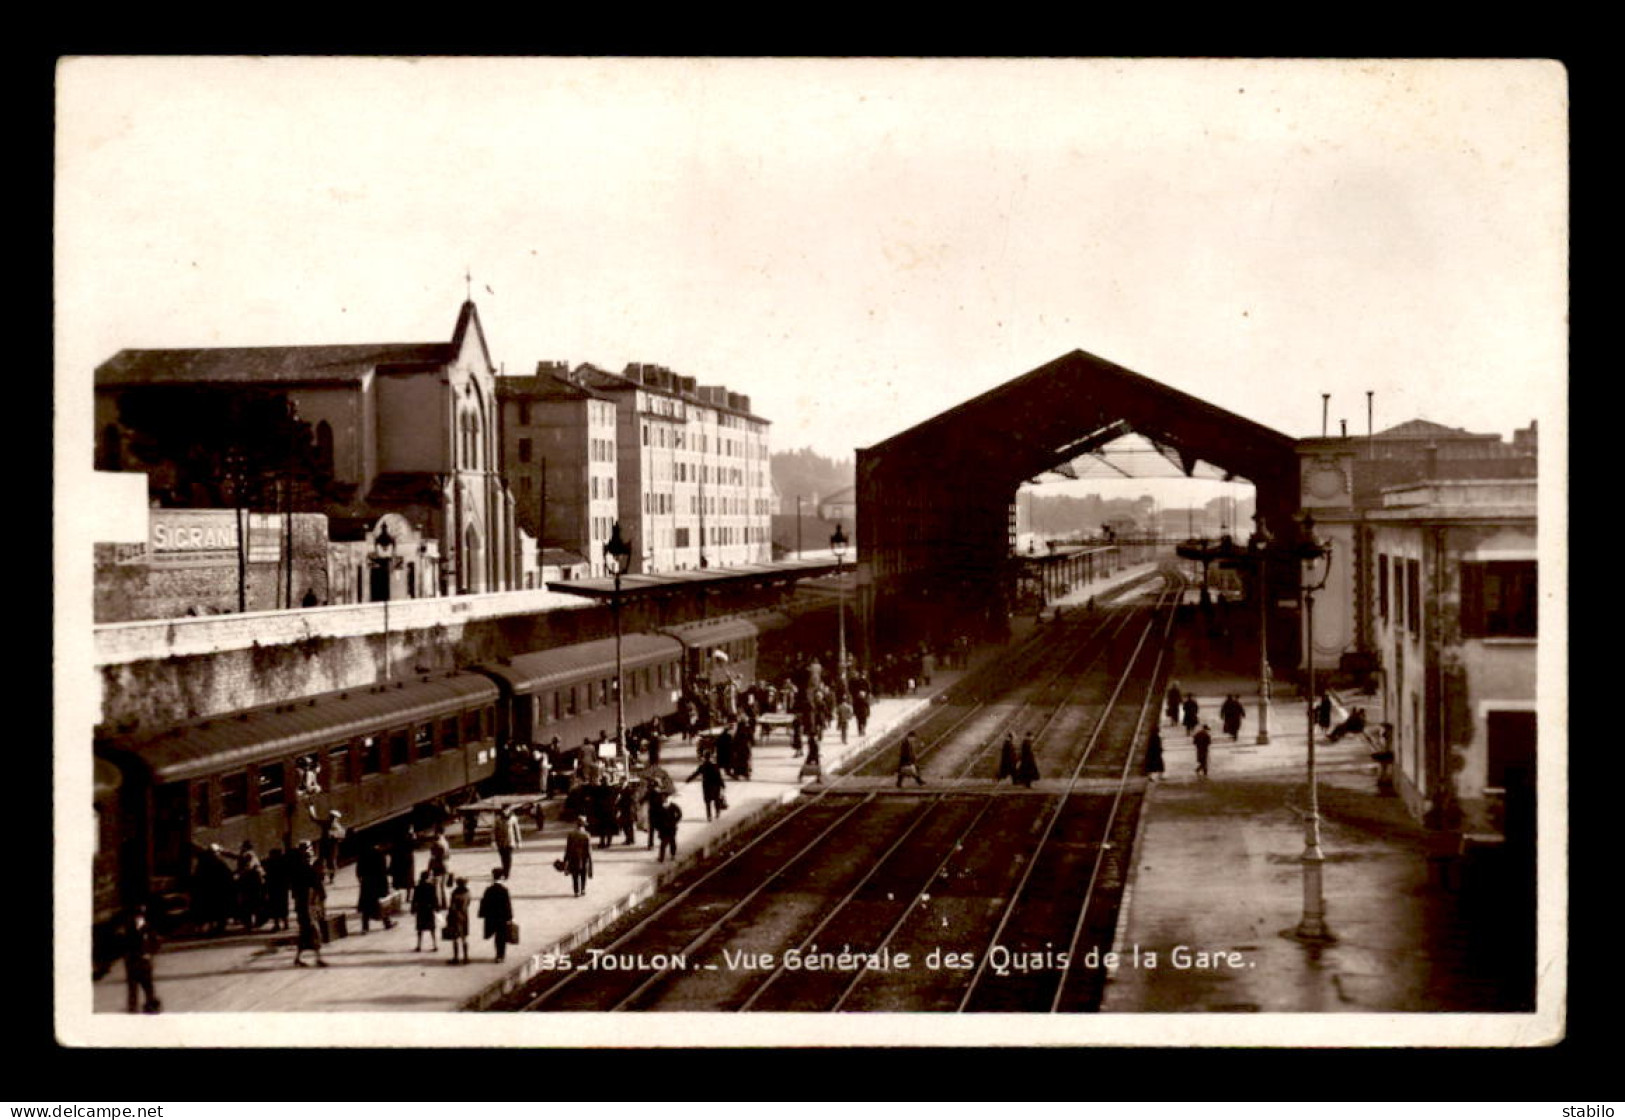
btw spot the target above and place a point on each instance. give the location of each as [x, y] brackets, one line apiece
[1498, 599]
[1382, 587]
[1510, 749]
[1413, 594]
[524, 414]
[524, 451]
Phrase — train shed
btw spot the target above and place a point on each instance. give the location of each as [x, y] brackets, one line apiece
[935, 502]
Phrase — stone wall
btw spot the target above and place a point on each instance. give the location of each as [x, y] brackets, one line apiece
[132, 581]
[154, 675]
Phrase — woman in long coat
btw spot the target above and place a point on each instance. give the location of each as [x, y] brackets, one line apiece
[1153, 756]
[603, 813]
[1190, 714]
[626, 811]
[372, 869]
[1174, 698]
[457, 921]
[1027, 767]
[403, 861]
[276, 889]
[425, 905]
[1007, 758]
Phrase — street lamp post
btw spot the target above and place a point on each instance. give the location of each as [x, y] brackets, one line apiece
[1312, 926]
[837, 545]
[616, 555]
[1261, 547]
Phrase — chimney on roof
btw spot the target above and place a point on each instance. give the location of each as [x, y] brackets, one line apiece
[1431, 459]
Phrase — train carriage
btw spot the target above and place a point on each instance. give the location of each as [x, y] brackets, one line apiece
[569, 692]
[375, 754]
[717, 651]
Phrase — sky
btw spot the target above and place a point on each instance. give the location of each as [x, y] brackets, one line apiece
[855, 244]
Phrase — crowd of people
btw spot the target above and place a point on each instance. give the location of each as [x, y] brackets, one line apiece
[607, 796]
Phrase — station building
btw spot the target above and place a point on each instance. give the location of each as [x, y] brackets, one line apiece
[560, 458]
[403, 428]
[695, 487]
[1432, 590]
[683, 467]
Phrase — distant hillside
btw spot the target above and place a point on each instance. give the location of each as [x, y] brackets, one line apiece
[807, 474]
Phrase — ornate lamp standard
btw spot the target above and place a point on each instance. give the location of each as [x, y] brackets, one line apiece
[385, 561]
[1260, 547]
[617, 554]
[1312, 926]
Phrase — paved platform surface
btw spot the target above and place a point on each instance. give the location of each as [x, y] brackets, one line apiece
[1217, 872]
[379, 971]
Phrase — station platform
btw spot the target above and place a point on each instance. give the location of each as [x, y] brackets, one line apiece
[380, 971]
[1216, 883]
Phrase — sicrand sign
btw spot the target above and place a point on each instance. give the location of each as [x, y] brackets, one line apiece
[209, 536]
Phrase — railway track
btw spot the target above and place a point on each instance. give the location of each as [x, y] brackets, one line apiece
[954, 897]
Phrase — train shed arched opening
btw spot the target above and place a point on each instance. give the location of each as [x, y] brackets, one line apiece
[936, 502]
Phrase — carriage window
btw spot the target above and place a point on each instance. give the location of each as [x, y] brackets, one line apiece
[603, 691]
[269, 779]
[372, 755]
[200, 805]
[558, 706]
[471, 727]
[338, 765]
[234, 795]
[423, 740]
[571, 708]
[397, 749]
[448, 734]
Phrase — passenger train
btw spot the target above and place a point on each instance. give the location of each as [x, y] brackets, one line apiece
[377, 754]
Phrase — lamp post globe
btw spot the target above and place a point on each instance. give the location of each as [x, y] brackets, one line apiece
[1260, 548]
[383, 558]
[837, 545]
[1312, 926]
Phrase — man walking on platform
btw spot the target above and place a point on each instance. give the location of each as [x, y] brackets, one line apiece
[140, 945]
[496, 909]
[908, 761]
[1203, 741]
[578, 857]
[505, 835]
